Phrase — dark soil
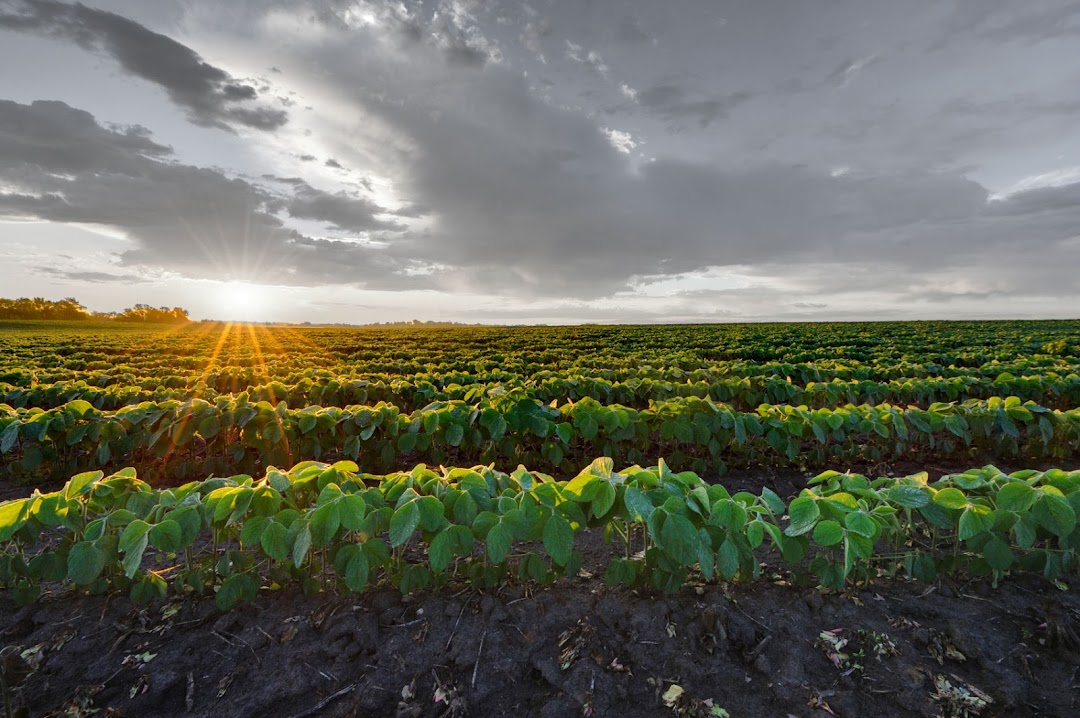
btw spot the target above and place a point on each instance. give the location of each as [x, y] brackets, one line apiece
[576, 649]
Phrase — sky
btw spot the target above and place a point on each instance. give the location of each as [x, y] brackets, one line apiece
[544, 162]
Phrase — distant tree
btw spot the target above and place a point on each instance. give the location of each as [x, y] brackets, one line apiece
[39, 308]
[146, 313]
[70, 309]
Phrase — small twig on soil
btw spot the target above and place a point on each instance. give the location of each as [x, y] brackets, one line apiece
[985, 600]
[480, 650]
[326, 701]
[189, 695]
[328, 676]
[458, 621]
[737, 608]
[223, 638]
[403, 625]
[123, 636]
[759, 648]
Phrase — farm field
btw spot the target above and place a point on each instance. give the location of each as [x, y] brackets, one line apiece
[767, 519]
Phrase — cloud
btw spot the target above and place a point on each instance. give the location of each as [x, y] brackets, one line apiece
[590, 58]
[670, 102]
[93, 277]
[622, 141]
[848, 70]
[210, 96]
[344, 212]
[58, 164]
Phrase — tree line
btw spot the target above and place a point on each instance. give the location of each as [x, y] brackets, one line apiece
[70, 309]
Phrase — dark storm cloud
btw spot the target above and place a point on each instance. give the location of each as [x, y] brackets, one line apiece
[56, 137]
[211, 96]
[345, 212]
[563, 213]
[67, 168]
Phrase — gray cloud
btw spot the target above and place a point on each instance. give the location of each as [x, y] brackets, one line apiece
[210, 95]
[196, 221]
[672, 103]
[345, 212]
[93, 277]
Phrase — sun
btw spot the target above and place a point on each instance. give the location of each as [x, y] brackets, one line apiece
[239, 299]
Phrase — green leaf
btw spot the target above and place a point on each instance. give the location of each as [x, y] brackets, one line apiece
[638, 504]
[403, 523]
[8, 437]
[974, 521]
[558, 539]
[910, 497]
[774, 502]
[583, 487]
[620, 572]
[802, 512]
[828, 533]
[862, 524]
[353, 509]
[1016, 496]
[1024, 531]
[149, 587]
[80, 484]
[1055, 515]
[357, 571]
[755, 533]
[998, 554]
[133, 555]
[301, 543]
[351, 447]
[455, 433]
[950, 498]
[13, 515]
[680, 539]
[86, 561]
[499, 539]
[465, 509]
[727, 559]
[135, 531]
[587, 427]
[325, 522]
[167, 535]
[232, 590]
[274, 541]
[604, 499]
[431, 513]
[440, 551]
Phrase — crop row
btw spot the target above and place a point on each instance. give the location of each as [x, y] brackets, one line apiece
[184, 438]
[746, 393]
[232, 375]
[329, 527]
